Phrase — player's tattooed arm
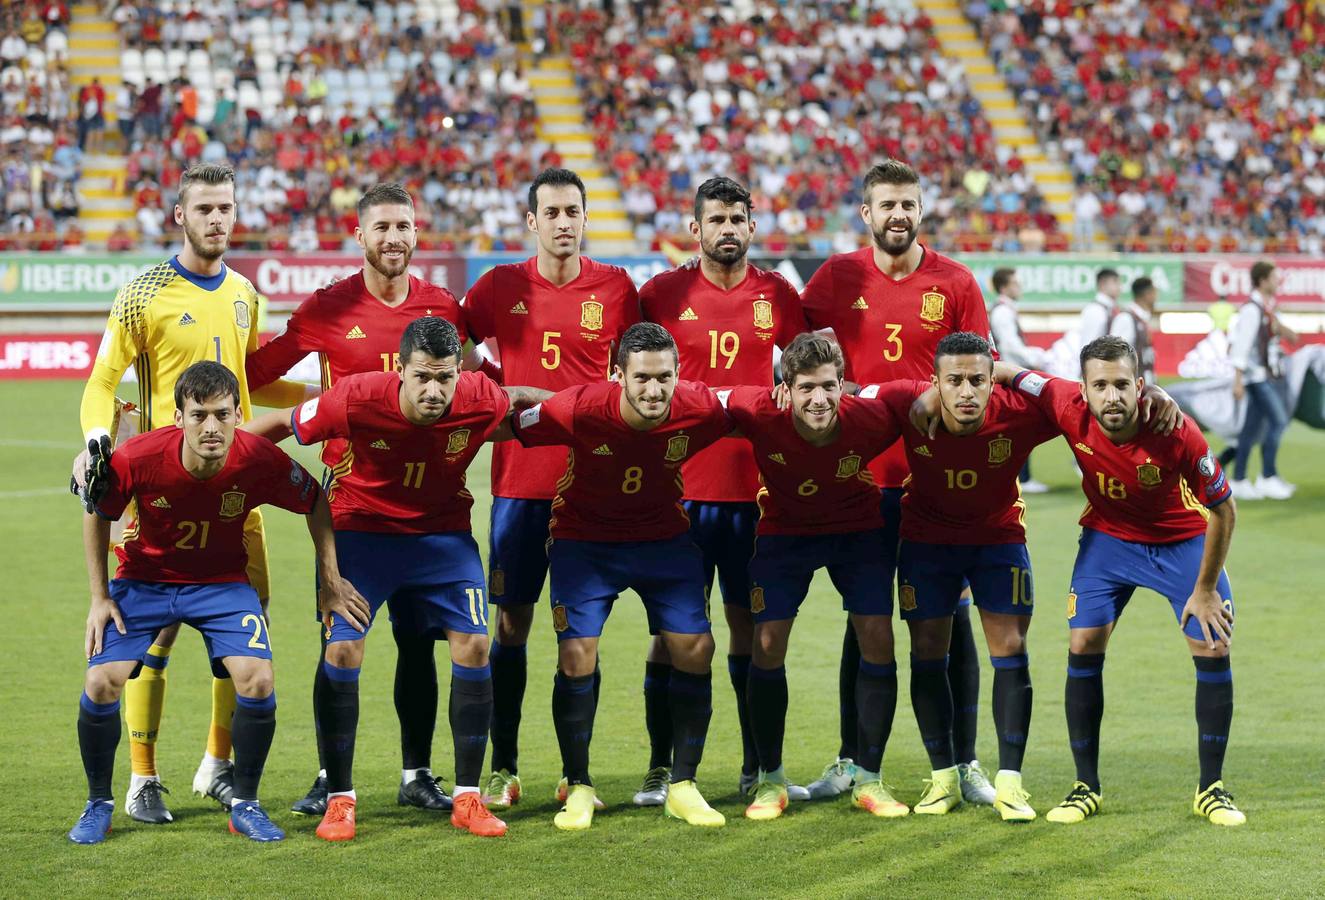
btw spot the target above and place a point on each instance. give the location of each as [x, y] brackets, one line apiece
[274, 426]
[334, 593]
[96, 538]
[1205, 603]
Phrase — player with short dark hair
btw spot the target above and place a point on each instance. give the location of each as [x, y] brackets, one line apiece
[401, 512]
[354, 326]
[962, 524]
[618, 524]
[188, 308]
[554, 319]
[819, 509]
[184, 560]
[889, 304]
[727, 317]
[1160, 516]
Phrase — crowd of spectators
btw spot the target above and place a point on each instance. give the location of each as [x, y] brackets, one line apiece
[313, 103]
[797, 100]
[1187, 126]
[40, 157]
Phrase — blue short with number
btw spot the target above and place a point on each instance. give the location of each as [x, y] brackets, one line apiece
[1109, 569]
[430, 583]
[858, 562]
[891, 508]
[517, 550]
[931, 577]
[229, 615]
[587, 576]
[725, 535]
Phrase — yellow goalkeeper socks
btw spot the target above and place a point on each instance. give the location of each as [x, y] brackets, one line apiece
[223, 713]
[144, 702]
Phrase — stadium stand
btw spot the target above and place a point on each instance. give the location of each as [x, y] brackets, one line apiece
[1187, 127]
[796, 100]
[309, 102]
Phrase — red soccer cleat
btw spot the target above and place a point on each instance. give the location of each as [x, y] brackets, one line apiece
[338, 823]
[470, 814]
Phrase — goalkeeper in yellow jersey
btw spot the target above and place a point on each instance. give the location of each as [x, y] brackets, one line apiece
[191, 307]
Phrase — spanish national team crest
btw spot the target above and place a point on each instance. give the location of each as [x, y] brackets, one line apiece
[848, 466]
[1148, 474]
[1000, 451]
[763, 314]
[458, 440]
[591, 315]
[907, 598]
[677, 447]
[559, 620]
[931, 306]
[241, 313]
[1071, 605]
[756, 600]
[496, 583]
[232, 504]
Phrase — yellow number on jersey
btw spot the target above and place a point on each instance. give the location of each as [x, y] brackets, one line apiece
[390, 361]
[549, 347]
[633, 481]
[414, 474]
[193, 530]
[1112, 488]
[962, 479]
[892, 350]
[728, 343]
[807, 488]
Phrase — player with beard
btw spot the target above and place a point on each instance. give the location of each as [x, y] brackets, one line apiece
[354, 326]
[190, 308]
[890, 304]
[726, 316]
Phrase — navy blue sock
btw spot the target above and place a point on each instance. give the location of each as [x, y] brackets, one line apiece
[931, 698]
[876, 704]
[416, 698]
[340, 724]
[658, 713]
[847, 671]
[573, 710]
[1012, 708]
[471, 717]
[98, 738]
[319, 687]
[1214, 714]
[766, 694]
[510, 674]
[1084, 702]
[964, 681]
[254, 726]
[738, 668]
[691, 701]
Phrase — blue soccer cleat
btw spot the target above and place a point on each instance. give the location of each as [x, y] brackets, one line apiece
[251, 821]
[94, 824]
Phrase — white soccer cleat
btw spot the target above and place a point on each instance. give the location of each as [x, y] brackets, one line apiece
[975, 784]
[835, 780]
[654, 790]
[1274, 488]
[1244, 490]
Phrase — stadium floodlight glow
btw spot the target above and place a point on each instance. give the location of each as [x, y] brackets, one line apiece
[448, 122]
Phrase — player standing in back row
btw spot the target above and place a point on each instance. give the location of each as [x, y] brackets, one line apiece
[555, 318]
[890, 304]
[726, 316]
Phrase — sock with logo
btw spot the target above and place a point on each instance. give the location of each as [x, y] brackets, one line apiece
[144, 702]
[471, 717]
[1214, 714]
[1084, 701]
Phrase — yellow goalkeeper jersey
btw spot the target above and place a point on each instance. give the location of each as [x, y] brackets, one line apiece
[162, 322]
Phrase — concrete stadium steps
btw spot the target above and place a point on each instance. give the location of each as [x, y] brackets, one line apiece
[959, 41]
[561, 122]
[94, 52]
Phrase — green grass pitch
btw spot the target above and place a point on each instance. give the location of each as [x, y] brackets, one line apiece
[1145, 843]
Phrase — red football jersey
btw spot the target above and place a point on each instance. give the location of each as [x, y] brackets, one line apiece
[889, 329]
[552, 338]
[620, 484]
[724, 338]
[397, 476]
[1154, 489]
[963, 489]
[191, 531]
[352, 332]
[808, 489]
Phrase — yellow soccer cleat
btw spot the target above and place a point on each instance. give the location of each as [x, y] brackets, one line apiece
[876, 799]
[577, 815]
[943, 795]
[1216, 804]
[563, 791]
[684, 802]
[769, 802]
[1080, 803]
[1010, 799]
